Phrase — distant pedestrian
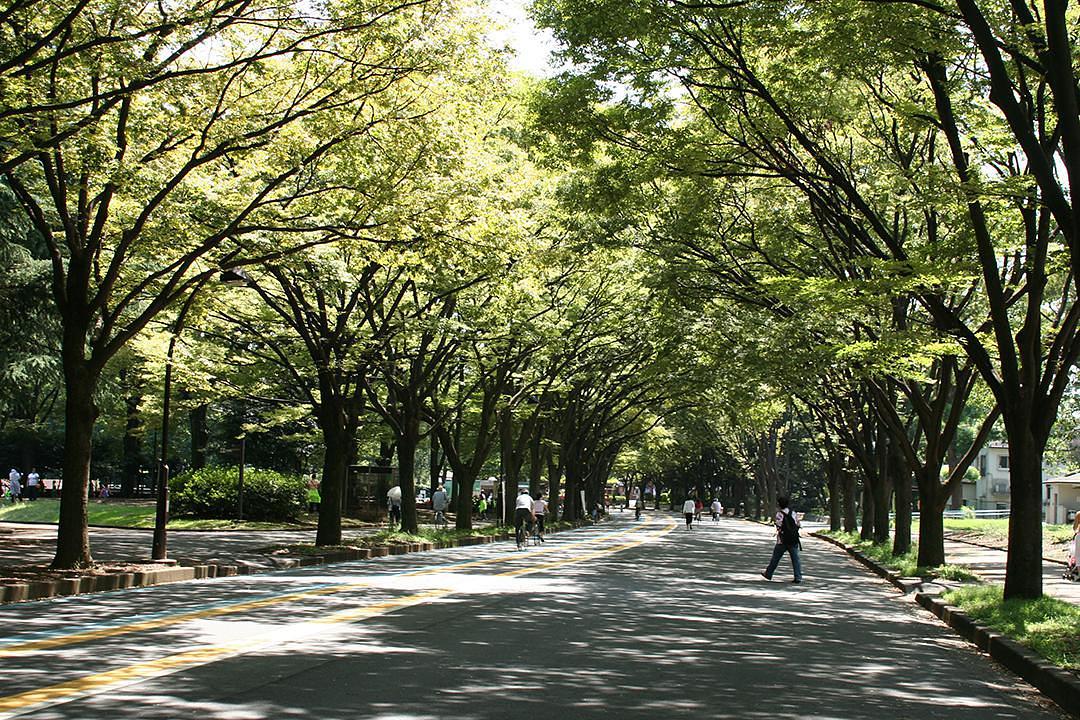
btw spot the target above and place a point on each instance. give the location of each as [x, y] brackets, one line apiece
[314, 497]
[103, 490]
[33, 484]
[540, 512]
[717, 509]
[393, 497]
[688, 511]
[15, 485]
[637, 508]
[787, 540]
[439, 502]
[698, 507]
[1073, 570]
[481, 507]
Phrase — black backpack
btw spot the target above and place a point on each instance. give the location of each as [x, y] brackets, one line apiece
[789, 529]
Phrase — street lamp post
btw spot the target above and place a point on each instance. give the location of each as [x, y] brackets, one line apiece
[160, 549]
[240, 481]
[161, 517]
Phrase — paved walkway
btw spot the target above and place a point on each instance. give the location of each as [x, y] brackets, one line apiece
[36, 544]
[989, 563]
[22, 544]
[628, 620]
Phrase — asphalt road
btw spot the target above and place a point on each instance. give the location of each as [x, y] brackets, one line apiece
[618, 621]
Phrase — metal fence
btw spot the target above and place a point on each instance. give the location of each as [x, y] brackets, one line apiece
[974, 514]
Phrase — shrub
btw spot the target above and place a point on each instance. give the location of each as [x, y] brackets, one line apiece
[212, 492]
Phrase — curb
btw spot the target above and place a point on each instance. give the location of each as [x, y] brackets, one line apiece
[1058, 684]
[1061, 686]
[904, 585]
[45, 589]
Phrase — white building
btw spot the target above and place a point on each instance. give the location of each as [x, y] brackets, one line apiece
[992, 490]
[1061, 498]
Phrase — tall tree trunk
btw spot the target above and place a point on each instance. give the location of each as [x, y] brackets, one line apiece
[554, 468]
[850, 495]
[80, 412]
[1023, 568]
[867, 530]
[408, 442]
[931, 522]
[836, 491]
[200, 437]
[508, 481]
[334, 473]
[132, 446]
[901, 475]
[536, 460]
[463, 482]
[435, 462]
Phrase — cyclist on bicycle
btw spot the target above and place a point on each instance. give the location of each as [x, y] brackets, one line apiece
[539, 508]
[439, 502]
[523, 513]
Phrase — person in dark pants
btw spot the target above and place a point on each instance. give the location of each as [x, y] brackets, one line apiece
[688, 512]
[787, 540]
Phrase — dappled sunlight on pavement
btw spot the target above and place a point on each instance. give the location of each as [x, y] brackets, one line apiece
[614, 621]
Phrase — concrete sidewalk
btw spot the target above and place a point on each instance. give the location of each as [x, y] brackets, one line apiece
[33, 544]
[989, 563]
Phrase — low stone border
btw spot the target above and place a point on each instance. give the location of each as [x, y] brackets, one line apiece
[43, 589]
[1061, 686]
[1058, 684]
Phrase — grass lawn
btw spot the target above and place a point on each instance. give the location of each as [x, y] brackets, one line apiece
[1049, 626]
[129, 514]
[907, 564]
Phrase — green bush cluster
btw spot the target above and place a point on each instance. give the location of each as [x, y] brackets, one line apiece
[212, 492]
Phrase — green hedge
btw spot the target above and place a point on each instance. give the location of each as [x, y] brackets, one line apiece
[211, 492]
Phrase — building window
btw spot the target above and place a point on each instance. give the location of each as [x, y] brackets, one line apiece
[1003, 462]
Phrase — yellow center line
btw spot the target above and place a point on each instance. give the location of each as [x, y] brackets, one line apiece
[159, 623]
[99, 682]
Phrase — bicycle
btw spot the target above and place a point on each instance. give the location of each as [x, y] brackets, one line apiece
[520, 537]
[537, 533]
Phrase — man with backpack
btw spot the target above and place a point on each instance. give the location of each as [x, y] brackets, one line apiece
[787, 540]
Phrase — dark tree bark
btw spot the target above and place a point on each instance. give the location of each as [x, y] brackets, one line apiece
[200, 435]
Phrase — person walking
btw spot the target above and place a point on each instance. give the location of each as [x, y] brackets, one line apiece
[688, 512]
[15, 485]
[33, 484]
[393, 498]
[787, 540]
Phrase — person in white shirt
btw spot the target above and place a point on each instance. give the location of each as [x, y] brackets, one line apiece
[539, 508]
[717, 509]
[523, 513]
[33, 484]
[439, 502]
[787, 540]
[688, 510]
